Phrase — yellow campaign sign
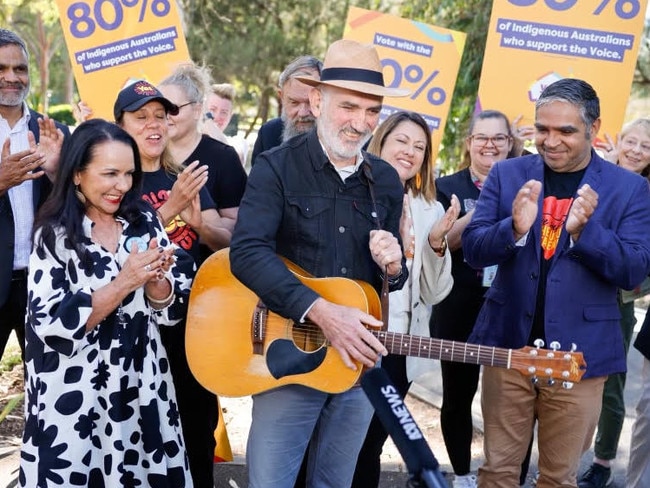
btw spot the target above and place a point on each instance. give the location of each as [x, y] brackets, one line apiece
[113, 41]
[532, 43]
[420, 57]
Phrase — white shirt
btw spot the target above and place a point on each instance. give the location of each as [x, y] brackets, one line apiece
[20, 196]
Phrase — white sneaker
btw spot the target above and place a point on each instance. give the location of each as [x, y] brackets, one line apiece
[467, 481]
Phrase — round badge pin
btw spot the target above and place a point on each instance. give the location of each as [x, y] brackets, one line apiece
[138, 241]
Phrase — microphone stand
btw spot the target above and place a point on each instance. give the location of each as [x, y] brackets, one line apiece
[428, 478]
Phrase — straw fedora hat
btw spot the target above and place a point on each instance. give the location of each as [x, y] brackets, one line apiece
[354, 66]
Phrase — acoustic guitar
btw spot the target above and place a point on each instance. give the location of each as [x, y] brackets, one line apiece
[237, 347]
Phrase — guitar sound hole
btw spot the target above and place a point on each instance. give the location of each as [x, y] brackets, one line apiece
[308, 337]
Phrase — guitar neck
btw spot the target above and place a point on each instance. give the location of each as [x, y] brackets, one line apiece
[442, 349]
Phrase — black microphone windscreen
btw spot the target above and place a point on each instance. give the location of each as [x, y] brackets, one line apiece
[398, 421]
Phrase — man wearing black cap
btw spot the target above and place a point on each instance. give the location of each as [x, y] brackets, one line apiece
[334, 210]
[21, 184]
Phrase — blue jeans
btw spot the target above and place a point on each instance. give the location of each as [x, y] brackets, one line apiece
[283, 422]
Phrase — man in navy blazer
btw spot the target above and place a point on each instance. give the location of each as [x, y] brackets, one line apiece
[566, 229]
[296, 117]
[22, 185]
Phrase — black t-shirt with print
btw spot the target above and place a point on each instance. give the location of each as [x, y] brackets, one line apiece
[559, 191]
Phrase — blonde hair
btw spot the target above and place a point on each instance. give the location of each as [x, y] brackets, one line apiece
[193, 80]
[642, 123]
[426, 187]
[224, 90]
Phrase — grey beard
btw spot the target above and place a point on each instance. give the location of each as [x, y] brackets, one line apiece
[291, 129]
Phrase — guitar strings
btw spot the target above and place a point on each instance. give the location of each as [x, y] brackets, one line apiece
[422, 346]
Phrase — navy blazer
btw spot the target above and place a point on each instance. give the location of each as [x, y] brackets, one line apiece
[41, 188]
[581, 306]
[269, 136]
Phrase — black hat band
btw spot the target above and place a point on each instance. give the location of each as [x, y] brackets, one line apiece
[353, 74]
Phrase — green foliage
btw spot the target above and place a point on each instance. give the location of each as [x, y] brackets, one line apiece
[10, 359]
[12, 403]
[62, 113]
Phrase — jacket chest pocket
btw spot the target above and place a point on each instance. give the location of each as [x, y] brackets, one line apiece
[366, 215]
[308, 218]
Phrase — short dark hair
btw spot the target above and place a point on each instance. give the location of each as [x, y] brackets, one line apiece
[578, 93]
[8, 38]
[63, 209]
[466, 160]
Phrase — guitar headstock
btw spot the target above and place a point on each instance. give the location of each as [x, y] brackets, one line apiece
[550, 364]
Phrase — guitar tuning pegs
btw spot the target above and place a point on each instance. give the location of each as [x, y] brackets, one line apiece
[555, 345]
[534, 380]
[539, 343]
[567, 385]
[550, 382]
[574, 347]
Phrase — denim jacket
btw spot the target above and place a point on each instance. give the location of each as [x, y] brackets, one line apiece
[297, 206]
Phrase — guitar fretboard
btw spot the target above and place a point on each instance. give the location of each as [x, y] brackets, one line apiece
[461, 352]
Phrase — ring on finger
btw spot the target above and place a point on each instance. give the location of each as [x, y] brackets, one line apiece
[147, 268]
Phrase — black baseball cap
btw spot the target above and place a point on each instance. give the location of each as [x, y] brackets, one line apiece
[137, 94]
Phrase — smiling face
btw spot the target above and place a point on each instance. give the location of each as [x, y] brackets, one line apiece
[148, 126]
[221, 110]
[14, 76]
[345, 121]
[404, 149]
[634, 149]
[106, 178]
[562, 138]
[489, 142]
[189, 112]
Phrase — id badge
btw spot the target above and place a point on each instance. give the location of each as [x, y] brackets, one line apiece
[489, 272]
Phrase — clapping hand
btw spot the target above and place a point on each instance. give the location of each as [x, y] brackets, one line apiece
[20, 166]
[525, 208]
[50, 142]
[581, 210]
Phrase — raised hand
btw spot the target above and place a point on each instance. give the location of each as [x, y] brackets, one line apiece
[609, 149]
[520, 135]
[441, 228]
[50, 142]
[20, 166]
[525, 208]
[581, 210]
[81, 112]
[186, 187]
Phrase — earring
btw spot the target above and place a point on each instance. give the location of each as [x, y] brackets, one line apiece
[418, 181]
[79, 195]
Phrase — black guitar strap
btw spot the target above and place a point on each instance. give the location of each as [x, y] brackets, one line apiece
[367, 171]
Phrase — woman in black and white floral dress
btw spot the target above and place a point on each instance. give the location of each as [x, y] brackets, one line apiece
[100, 404]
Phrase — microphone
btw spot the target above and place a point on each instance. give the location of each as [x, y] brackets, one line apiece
[422, 465]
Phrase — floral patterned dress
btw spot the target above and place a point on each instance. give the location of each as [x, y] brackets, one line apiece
[100, 406]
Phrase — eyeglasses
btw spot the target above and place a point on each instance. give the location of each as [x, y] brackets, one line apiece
[498, 140]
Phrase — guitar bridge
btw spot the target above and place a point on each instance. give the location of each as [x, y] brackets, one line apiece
[258, 327]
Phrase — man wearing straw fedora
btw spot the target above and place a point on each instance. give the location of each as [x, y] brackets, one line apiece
[334, 210]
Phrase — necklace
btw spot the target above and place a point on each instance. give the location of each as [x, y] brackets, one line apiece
[107, 239]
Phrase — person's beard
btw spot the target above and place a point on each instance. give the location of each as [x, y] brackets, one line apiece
[13, 100]
[333, 139]
[297, 126]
